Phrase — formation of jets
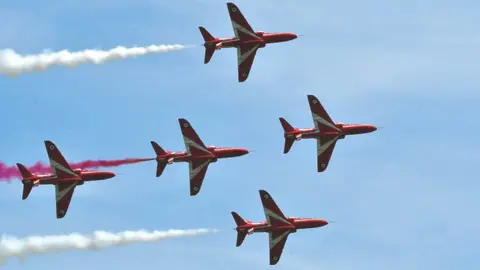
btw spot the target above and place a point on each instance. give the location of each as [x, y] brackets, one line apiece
[326, 132]
[199, 156]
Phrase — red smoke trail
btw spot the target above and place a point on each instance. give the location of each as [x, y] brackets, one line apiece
[7, 173]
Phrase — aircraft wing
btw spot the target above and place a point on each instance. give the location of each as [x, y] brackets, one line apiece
[193, 143]
[321, 119]
[273, 214]
[197, 169]
[60, 167]
[63, 193]
[241, 28]
[325, 146]
[246, 56]
[277, 240]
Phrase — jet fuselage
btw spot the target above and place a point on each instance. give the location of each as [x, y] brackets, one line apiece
[217, 153]
[346, 130]
[84, 176]
[265, 38]
[297, 224]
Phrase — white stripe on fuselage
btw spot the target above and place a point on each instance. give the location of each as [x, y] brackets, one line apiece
[270, 214]
[237, 27]
[195, 171]
[55, 165]
[323, 147]
[243, 57]
[317, 119]
[189, 143]
[274, 242]
[62, 193]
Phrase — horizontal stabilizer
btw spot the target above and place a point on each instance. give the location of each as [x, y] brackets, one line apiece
[158, 150]
[208, 54]
[205, 34]
[238, 219]
[241, 233]
[24, 171]
[27, 185]
[286, 126]
[240, 238]
[160, 168]
[288, 145]
[27, 188]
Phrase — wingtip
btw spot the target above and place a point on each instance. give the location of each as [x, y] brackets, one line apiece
[273, 262]
[264, 193]
[184, 123]
[312, 97]
[194, 192]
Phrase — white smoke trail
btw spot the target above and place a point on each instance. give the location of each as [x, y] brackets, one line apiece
[33, 245]
[12, 63]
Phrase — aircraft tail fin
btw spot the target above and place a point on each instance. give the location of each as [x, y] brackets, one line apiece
[206, 35]
[286, 126]
[288, 145]
[288, 141]
[161, 164]
[158, 150]
[27, 185]
[24, 171]
[238, 219]
[208, 54]
[240, 234]
[240, 238]
[209, 50]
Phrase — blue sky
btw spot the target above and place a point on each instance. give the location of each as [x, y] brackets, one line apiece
[404, 197]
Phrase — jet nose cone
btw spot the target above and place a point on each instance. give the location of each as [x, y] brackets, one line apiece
[293, 36]
[110, 175]
[243, 152]
[373, 128]
[321, 222]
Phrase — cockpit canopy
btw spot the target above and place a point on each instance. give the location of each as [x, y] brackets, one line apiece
[298, 218]
[340, 124]
[260, 33]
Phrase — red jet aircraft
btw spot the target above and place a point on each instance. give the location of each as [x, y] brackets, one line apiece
[197, 155]
[245, 40]
[277, 226]
[64, 178]
[326, 132]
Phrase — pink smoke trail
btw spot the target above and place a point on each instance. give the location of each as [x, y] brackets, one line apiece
[7, 173]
